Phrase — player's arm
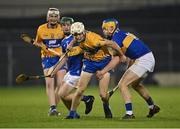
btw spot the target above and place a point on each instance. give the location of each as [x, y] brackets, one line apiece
[111, 65]
[39, 42]
[115, 60]
[114, 46]
[69, 47]
[38, 39]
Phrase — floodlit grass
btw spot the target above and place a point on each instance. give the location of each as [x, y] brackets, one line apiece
[28, 106]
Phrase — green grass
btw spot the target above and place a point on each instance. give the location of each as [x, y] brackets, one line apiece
[27, 107]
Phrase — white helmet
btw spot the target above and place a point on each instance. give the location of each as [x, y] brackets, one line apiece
[77, 27]
[53, 11]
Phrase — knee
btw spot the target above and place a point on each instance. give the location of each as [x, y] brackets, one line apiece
[80, 92]
[122, 86]
[62, 95]
[49, 85]
[135, 87]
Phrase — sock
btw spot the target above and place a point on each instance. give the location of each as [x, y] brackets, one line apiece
[129, 108]
[150, 103]
[84, 98]
[72, 113]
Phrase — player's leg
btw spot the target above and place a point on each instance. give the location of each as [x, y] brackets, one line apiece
[65, 95]
[48, 64]
[82, 85]
[59, 82]
[134, 73]
[143, 92]
[103, 88]
[127, 79]
[51, 95]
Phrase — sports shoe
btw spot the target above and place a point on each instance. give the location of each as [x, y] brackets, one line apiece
[72, 115]
[54, 112]
[89, 104]
[127, 116]
[107, 110]
[153, 111]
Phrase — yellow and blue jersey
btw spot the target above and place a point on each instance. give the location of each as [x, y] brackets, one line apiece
[51, 37]
[94, 48]
[75, 56]
[96, 53]
[131, 46]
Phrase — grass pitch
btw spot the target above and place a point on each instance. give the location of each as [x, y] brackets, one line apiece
[28, 106]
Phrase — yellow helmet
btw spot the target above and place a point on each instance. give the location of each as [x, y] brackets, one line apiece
[111, 22]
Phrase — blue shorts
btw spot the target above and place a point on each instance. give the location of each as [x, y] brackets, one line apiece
[48, 62]
[92, 66]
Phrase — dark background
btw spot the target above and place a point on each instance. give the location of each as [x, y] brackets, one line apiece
[156, 24]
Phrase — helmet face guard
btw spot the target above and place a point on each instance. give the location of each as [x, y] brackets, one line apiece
[78, 31]
[53, 16]
[110, 25]
[77, 28]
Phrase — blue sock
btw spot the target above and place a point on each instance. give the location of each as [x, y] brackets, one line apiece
[128, 106]
[72, 113]
[84, 98]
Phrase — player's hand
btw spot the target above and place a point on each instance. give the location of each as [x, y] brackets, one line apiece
[42, 46]
[108, 41]
[51, 73]
[69, 47]
[99, 74]
[36, 44]
[123, 59]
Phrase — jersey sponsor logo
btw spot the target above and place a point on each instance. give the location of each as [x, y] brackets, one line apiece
[52, 42]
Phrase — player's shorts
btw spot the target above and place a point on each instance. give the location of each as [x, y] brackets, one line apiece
[48, 62]
[92, 66]
[143, 64]
[71, 79]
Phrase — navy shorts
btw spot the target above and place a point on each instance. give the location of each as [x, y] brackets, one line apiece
[92, 66]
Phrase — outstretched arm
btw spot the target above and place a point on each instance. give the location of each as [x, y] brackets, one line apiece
[114, 45]
[115, 60]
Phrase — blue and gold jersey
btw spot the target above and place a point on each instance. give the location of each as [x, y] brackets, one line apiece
[75, 56]
[94, 48]
[131, 46]
[51, 37]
